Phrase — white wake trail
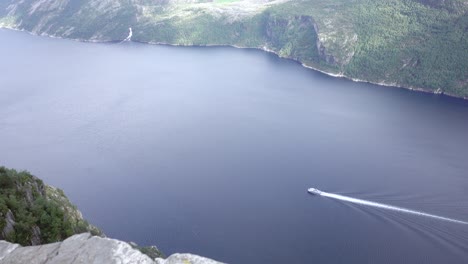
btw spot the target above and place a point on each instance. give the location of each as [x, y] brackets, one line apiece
[389, 207]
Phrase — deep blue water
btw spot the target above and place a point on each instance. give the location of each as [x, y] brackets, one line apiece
[211, 150]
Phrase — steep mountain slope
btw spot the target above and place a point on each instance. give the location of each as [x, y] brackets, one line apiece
[420, 44]
[33, 213]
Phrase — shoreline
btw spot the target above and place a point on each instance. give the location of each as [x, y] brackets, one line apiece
[264, 49]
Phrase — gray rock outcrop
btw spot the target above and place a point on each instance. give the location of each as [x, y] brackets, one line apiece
[88, 249]
[185, 258]
[9, 224]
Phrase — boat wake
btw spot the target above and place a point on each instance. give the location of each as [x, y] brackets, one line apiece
[388, 207]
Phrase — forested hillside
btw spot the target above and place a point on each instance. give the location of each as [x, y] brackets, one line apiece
[33, 213]
[420, 44]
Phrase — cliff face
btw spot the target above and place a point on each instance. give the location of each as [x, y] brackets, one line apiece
[410, 43]
[85, 248]
[295, 37]
[33, 213]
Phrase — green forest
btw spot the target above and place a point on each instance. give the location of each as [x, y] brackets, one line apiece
[417, 44]
[39, 213]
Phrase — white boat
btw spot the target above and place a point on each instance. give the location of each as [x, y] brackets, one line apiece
[314, 191]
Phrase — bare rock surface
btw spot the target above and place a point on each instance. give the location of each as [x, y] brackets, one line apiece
[186, 258]
[85, 248]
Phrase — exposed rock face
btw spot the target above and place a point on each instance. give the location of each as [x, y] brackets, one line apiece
[85, 248]
[185, 258]
[10, 224]
[284, 34]
[36, 236]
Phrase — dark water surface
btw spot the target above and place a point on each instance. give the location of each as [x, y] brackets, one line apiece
[211, 150]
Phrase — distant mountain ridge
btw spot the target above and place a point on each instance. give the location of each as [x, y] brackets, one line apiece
[417, 44]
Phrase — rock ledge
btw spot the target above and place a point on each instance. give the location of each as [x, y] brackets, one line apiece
[85, 248]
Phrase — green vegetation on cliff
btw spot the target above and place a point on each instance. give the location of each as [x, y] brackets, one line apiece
[411, 43]
[32, 213]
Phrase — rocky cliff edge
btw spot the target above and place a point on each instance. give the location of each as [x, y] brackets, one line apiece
[85, 248]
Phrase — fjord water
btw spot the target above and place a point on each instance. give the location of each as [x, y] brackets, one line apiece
[211, 151]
